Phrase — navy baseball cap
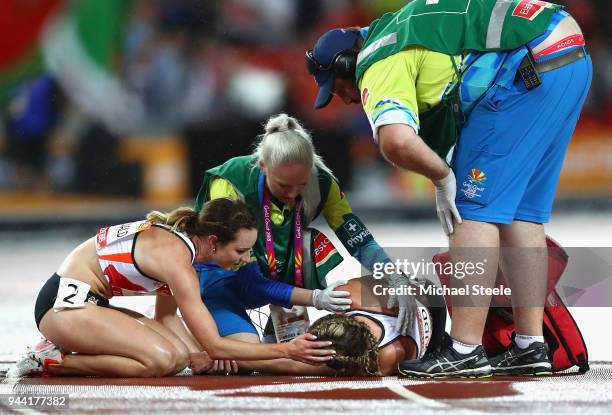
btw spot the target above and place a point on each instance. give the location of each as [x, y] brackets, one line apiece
[319, 61]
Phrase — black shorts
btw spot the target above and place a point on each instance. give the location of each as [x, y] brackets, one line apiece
[48, 293]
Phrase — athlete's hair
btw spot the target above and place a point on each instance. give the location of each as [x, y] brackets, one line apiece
[355, 345]
[286, 141]
[222, 217]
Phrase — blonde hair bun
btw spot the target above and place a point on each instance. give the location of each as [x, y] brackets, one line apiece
[285, 141]
[281, 123]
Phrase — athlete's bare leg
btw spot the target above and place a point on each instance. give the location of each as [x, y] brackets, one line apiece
[164, 331]
[108, 342]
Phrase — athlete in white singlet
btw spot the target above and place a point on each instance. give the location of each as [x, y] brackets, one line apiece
[115, 248]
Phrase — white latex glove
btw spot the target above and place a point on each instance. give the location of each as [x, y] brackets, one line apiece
[446, 190]
[406, 303]
[331, 300]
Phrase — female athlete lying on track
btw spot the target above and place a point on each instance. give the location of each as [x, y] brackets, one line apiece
[150, 256]
[364, 338]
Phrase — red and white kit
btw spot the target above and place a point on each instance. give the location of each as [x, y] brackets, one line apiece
[115, 248]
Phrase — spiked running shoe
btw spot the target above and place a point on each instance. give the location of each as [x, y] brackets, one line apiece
[530, 361]
[446, 362]
[36, 362]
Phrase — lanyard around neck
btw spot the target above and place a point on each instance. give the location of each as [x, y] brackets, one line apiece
[264, 196]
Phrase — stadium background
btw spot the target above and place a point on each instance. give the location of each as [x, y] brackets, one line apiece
[111, 108]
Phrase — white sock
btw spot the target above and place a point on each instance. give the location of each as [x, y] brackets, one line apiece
[464, 348]
[523, 341]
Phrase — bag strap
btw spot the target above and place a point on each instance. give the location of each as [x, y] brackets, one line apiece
[581, 360]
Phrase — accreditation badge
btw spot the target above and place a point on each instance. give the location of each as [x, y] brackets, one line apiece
[289, 323]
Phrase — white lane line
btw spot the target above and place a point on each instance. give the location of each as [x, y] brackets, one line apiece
[392, 383]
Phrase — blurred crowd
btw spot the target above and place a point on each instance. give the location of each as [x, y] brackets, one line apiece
[211, 73]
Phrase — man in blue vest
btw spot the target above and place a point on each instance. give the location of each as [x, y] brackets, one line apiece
[496, 91]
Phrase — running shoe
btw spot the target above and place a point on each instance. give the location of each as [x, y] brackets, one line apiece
[36, 362]
[530, 361]
[446, 362]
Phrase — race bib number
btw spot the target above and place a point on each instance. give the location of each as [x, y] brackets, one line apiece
[71, 294]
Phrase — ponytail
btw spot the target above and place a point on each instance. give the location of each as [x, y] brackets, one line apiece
[220, 217]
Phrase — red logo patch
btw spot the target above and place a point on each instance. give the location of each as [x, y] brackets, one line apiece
[323, 248]
[365, 94]
[529, 9]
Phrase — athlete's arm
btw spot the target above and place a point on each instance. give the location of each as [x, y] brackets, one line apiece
[165, 258]
[169, 260]
[202, 325]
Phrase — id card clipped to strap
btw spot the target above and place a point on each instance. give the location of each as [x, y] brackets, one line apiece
[289, 323]
[71, 294]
